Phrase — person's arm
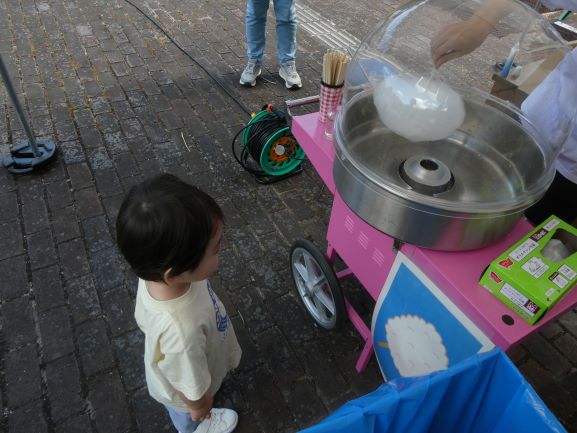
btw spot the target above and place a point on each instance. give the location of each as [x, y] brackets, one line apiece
[461, 38]
[199, 409]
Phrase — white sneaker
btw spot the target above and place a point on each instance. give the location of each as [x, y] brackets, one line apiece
[251, 71]
[288, 72]
[220, 421]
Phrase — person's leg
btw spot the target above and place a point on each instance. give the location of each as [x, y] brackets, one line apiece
[256, 11]
[286, 30]
[558, 200]
[182, 421]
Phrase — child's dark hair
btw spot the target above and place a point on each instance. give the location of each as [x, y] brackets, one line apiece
[165, 223]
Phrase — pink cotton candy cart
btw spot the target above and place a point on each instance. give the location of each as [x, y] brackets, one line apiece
[406, 281]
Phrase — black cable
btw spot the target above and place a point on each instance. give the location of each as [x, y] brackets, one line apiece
[258, 138]
[214, 78]
[260, 133]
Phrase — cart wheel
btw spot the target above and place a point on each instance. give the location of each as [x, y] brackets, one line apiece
[317, 284]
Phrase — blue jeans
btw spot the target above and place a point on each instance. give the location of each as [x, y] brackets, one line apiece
[182, 421]
[286, 29]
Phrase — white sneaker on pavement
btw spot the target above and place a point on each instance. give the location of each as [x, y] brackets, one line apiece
[288, 72]
[251, 71]
[220, 421]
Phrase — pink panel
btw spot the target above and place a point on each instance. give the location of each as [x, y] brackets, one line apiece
[310, 134]
[367, 252]
[458, 274]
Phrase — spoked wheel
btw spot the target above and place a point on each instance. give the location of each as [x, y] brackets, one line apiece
[317, 284]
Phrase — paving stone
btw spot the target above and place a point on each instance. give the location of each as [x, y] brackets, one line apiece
[131, 128]
[80, 176]
[99, 159]
[9, 202]
[100, 105]
[35, 216]
[23, 380]
[136, 98]
[66, 131]
[59, 195]
[28, 418]
[272, 283]
[567, 345]
[246, 244]
[291, 317]
[151, 417]
[107, 398]
[551, 330]
[64, 388]
[249, 303]
[16, 317]
[303, 402]
[84, 118]
[569, 321]
[94, 346]
[554, 396]
[90, 137]
[327, 377]
[112, 206]
[107, 269]
[547, 355]
[118, 308]
[64, 224]
[88, 203]
[129, 349]
[126, 165]
[55, 333]
[281, 359]
[78, 423]
[14, 282]
[73, 261]
[83, 299]
[123, 109]
[107, 123]
[41, 249]
[96, 233]
[72, 151]
[251, 356]
[272, 413]
[231, 269]
[47, 288]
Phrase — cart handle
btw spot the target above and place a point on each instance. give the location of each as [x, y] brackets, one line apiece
[293, 103]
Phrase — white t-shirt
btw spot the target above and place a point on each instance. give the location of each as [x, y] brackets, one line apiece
[555, 98]
[189, 346]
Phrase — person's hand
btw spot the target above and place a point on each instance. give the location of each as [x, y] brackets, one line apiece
[459, 39]
[199, 414]
[199, 409]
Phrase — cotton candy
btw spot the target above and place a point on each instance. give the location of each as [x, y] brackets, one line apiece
[418, 109]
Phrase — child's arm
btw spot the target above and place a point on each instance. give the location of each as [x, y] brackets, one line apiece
[199, 409]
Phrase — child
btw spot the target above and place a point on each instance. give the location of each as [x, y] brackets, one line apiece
[170, 234]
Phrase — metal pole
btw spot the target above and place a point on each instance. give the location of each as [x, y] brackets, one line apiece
[16, 102]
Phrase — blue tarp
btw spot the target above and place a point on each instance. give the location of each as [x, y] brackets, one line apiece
[482, 394]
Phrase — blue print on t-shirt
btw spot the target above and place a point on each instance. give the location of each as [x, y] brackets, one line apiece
[221, 321]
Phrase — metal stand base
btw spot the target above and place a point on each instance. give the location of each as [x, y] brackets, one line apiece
[22, 159]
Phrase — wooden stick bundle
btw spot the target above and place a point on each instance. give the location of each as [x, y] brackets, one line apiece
[334, 67]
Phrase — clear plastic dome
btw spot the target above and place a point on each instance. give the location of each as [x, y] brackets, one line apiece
[442, 139]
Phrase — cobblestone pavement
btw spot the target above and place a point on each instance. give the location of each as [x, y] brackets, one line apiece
[123, 104]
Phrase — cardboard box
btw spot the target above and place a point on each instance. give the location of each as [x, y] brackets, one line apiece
[515, 90]
[536, 272]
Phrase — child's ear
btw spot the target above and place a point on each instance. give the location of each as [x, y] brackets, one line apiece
[167, 276]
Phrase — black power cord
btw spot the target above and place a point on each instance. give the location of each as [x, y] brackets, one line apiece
[223, 86]
[263, 127]
[257, 140]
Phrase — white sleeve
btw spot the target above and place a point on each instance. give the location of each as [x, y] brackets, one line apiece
[186, 369]
[561, 4]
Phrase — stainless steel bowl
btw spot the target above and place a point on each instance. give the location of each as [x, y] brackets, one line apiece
[460, 193]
